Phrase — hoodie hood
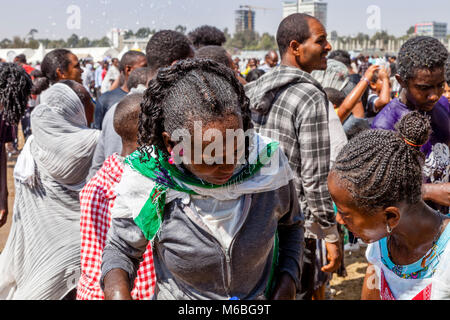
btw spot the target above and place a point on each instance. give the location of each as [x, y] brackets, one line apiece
[266, 89]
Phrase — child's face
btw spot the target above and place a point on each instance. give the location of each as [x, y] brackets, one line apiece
[368, 226]
[425, 89]
[447, 92]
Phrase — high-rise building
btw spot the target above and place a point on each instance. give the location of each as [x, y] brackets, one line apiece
[245, 20]
[315, 8]
[432, 29]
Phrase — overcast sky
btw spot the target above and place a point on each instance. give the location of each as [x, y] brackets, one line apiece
[97, 17]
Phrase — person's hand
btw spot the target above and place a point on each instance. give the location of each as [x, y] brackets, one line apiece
[369, 73]
[437, 192]
[334, 257]
[383, 74]
[3, 216]
[285, 288]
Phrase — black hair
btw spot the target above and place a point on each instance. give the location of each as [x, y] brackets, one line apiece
[447, 71]
[335, 96]
[382, 168]
[190, 90]
[40, 83]
[21, 58]
[138, 76]
[56, 59]
[341, 56]
[126, 117]
[420, 53]
[293, 27]
[15, 89]
[254, 75]
[165, 47]
[129, 59]
[215, 53]
[207, 36]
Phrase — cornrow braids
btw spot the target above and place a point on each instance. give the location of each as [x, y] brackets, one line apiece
[420, 53]
[15, 89]
[190, 90]
[381, 168]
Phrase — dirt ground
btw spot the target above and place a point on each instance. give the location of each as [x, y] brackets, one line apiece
[348, 288]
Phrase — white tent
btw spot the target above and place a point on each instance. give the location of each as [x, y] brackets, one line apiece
[38, 55]
[124, 50]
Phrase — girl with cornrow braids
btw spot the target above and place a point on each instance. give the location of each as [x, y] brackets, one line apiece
[220, 228]
[15, 89]
[376, 184]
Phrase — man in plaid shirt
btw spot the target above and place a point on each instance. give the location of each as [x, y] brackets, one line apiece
[97, 199]
[290, 106]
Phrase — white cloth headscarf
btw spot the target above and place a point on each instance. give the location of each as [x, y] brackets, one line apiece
[63, 144]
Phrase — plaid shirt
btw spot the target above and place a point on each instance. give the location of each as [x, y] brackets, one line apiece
[96, 199]
[288, 105]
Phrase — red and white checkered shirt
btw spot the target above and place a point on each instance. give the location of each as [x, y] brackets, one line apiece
[96, 200]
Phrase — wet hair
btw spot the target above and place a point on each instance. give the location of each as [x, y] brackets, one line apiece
[381, 168]
[420, 53]
[335, 96]
[56, 59]
[293, 27]
[191, 90]
[40, 83]
[215, 53]
[207, 36]
[447, 71]
[15, 89]
[129, 59]
[254, 75]
[165, 47]
[126, 117]
[138, 76]
[341, 56]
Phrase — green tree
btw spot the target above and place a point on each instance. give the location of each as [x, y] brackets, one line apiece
[143, 33]
[267, 42]
[73, 41]
[411, 30]
[181, 29]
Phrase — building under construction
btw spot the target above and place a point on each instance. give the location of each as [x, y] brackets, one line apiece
[245, 19]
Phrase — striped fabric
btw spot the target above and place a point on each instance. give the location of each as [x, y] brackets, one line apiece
[96, 199]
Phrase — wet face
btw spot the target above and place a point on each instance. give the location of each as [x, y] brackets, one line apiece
[447, 92]
[312, 54]
[213, 167]
[425, 89]
[73, 71]
[368, 226]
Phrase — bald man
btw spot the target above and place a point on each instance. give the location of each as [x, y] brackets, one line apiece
[270, 61]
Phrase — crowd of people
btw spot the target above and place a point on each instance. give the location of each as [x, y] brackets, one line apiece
[171, 174]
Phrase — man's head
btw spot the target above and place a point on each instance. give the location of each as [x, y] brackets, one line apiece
[126, 120]
[130, 61]
[302, 41]
[335, 96]
[341, 56]
[271, 58]
[215, 53]
[421, 71]
[207, 36]
[139, 76]
[166, 47]
[115, 62]
[20, 59]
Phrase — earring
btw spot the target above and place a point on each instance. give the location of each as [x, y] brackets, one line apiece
[172, 159]
[388, 228]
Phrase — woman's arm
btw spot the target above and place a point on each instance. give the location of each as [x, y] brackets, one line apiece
[437, 192]
[122, 255]
[370, 287]
[354, 97]
[385, 95]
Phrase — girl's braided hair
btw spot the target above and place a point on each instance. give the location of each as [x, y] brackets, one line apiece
[191, 90]
[15, 89]
[381, 168]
